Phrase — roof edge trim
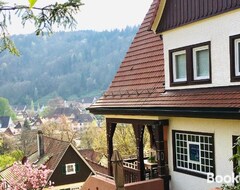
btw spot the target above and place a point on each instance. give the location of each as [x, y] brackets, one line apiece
[158, 16]
[212, 113]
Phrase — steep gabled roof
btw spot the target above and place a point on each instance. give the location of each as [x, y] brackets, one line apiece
[54, 150]
[18, 126]
[4, 121]
[141, 73]
[138, 87]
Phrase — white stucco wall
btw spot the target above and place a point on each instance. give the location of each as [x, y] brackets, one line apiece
[217, 30]
[223, 131]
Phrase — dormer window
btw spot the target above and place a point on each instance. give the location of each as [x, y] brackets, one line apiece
[190, 65]
[235, 57]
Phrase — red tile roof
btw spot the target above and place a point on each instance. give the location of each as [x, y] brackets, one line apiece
[139, 82]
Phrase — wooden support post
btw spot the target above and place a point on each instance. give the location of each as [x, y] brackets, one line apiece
[138, 131]
[110, 132]
[159, 139]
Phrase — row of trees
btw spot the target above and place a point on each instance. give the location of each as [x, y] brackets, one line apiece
[123, 140]
[67, 64]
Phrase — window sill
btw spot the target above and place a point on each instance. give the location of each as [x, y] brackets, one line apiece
[235, 78]
[195, 82]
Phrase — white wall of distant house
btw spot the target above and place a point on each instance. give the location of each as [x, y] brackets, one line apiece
[223, 131]
[217, 30]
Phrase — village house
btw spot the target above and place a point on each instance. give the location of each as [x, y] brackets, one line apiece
[180, 81]
[6, 124]
[69, 168]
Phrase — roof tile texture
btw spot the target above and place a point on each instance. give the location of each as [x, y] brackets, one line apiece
[139, 81]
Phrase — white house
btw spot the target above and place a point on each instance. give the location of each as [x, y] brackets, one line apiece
[180, 79]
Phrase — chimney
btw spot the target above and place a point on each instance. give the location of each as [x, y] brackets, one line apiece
[40, 144]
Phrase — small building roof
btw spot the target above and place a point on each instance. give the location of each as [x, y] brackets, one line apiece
[84, 117]
[18, 125]
[4, 121]
[54, 151]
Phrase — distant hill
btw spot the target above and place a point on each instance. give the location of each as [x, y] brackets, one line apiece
[72, 65]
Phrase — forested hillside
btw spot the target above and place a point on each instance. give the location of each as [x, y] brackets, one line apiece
[67, 64]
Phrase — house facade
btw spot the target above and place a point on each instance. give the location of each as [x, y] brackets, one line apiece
[69, 170]
[180, 81]
[5, 123]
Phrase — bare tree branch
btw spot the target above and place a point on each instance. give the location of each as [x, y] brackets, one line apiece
[43, 18]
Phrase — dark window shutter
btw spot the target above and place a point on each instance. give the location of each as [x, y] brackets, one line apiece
[77, 167]
[63, 169]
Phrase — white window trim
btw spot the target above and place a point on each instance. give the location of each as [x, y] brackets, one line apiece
[71, 172]
[195, 50]
[188, 152]
[174, 54]
[236, 42]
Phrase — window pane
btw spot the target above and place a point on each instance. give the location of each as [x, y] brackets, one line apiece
[202, 58]
[180, 66]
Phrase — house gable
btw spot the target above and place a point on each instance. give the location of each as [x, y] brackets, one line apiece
[177, 13]
[59, 176]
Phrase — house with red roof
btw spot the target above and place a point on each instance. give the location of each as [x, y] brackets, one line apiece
[69, 169]
[180, 81]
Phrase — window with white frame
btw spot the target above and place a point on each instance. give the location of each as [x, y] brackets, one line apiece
[179, 66]
[237, 56]
[193, 153]
[201, 62]
[190, 65]
[70, 168]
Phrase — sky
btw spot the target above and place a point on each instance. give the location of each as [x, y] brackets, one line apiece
[98, 15]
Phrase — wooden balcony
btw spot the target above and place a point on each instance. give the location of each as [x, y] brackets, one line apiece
[132, 173]
[103, 182]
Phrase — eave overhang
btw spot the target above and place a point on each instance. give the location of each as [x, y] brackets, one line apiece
[213, 113]
[158, 16]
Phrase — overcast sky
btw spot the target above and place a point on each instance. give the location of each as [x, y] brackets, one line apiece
[98, 15]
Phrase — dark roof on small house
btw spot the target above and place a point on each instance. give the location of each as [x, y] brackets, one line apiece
[18, 126]
[180, 12]
[8, 132]
[4, 120]
[138, 86]
[84, 117]
[54, 150]
[63, 111]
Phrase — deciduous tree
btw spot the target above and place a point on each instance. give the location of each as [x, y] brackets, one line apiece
[28, 176]
[5, 108]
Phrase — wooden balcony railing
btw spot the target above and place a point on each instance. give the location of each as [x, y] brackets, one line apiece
[131, 175]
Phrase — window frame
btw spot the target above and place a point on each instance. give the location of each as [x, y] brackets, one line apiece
[186, 169]
[194, 51]
[191, 79]
[174, 54]
[74, 168]
[234, 61]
